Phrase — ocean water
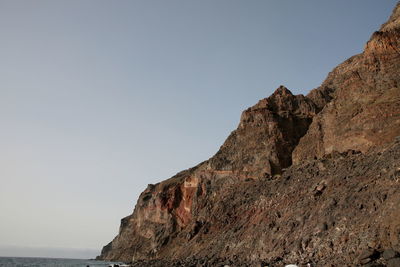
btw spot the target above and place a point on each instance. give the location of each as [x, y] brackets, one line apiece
[47, 262]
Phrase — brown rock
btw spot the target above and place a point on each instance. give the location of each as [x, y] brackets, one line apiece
[266, 136]
[362, 110]
[393, 262]
[389, 254]
[367, 255]
[249, 204]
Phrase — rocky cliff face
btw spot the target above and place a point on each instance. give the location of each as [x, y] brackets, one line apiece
[267, 134]
[364, 110]
[307, 179]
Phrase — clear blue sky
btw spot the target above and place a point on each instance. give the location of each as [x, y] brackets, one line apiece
[100, 98]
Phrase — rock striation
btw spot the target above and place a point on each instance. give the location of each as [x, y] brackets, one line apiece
[303, 179]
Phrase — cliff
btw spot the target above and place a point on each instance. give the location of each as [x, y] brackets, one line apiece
[363, 112]
[307, 179]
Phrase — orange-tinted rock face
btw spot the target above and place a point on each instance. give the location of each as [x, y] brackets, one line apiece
[248, 202]
[189, 189]
[169, 205]
[384, 44]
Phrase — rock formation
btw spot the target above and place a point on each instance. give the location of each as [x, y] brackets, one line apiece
[362, 108]
[303, 179]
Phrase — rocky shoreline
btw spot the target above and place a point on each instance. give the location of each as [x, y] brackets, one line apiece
[367, 258]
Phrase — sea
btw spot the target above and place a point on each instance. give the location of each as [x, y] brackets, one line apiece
[47, 262]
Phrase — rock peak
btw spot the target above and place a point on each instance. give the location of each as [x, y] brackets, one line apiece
[394, 20]
[282, 90]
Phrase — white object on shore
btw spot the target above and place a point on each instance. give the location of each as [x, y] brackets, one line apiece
[291, 265]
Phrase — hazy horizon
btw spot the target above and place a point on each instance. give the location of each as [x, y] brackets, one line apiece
[48, 252]
[100, 98]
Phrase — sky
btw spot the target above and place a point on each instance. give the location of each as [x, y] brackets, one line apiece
[100, 98]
